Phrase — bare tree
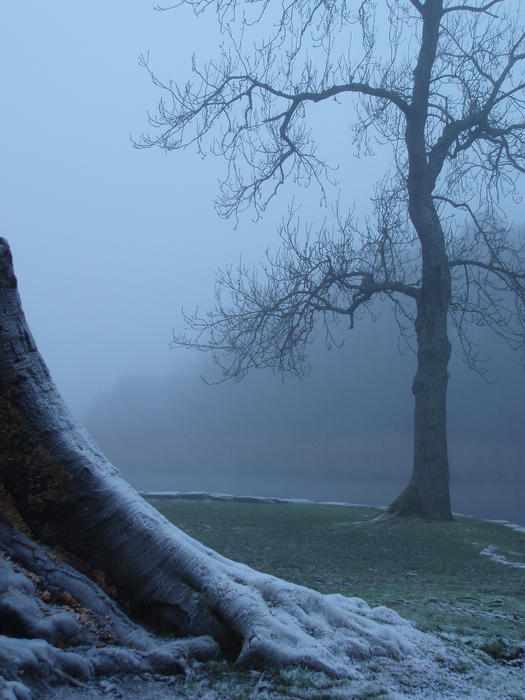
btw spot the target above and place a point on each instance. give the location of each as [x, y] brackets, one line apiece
[443, 84]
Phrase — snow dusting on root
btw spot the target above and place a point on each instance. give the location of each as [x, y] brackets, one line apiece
[281, 623]
[63, 638]
[59, 627]
[292, 625]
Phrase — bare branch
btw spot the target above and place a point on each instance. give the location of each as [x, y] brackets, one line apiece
[266, 317]
[483, 9]
[442, 85]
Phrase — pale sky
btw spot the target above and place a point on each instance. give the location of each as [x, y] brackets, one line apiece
[109, 242]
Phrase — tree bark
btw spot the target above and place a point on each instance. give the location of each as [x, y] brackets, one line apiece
[427, 494]
[57, 488]
[66, 491]
[430, 477]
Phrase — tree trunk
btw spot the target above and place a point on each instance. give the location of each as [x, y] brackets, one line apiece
[56, 487]
[430, 477]
[427, 494]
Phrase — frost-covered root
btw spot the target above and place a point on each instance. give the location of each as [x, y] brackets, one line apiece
[283, 624]
[13, 690]
[58, 626]
[275, 622]
[38, 664]
[43, 596]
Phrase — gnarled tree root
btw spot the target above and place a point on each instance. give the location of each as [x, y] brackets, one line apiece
[57, 487]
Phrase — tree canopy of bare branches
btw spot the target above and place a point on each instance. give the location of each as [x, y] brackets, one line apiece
[443, 85]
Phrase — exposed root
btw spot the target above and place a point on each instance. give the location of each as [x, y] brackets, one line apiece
[57, 626]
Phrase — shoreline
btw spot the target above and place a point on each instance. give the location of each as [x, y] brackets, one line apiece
[228, 497]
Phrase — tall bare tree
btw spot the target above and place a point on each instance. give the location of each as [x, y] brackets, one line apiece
[443, 84]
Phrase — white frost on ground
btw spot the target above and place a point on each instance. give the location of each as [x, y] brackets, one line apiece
[505, 523]
[425, 680]
[491, 553]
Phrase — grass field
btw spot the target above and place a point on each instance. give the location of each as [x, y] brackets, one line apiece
[434, 574]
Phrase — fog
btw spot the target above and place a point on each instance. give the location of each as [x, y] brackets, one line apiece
[109, 243]
[343, 433]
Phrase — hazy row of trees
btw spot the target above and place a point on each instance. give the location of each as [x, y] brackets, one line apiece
[349, 421]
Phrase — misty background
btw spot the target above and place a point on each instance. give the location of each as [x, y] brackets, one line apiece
[110, 242]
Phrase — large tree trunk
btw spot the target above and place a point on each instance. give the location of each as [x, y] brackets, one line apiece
[56, 487]
[427, 494]
[430, 476]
